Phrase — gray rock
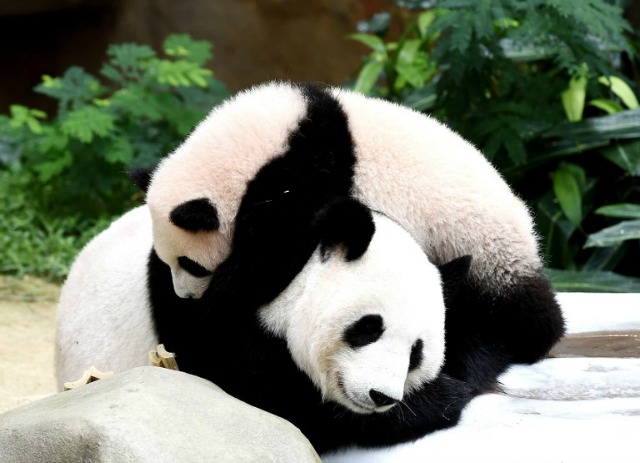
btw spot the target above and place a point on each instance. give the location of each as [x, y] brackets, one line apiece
[148, 414]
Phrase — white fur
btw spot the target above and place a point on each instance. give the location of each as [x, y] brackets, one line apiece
[409, 166]
[103, 315]
[216, 162]
[393, 279]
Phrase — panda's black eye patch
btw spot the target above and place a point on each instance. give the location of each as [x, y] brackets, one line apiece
[365, 331]
[193, 267]
[415, 359]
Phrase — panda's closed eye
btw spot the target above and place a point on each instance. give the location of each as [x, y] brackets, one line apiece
[366, 330]
[415, 358]
[193, 267]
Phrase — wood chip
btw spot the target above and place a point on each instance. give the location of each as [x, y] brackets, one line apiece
[160, 357]
[89, 376]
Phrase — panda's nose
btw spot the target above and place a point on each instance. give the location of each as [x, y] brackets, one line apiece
[381, 399]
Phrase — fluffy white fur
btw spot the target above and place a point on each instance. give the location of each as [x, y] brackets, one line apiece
[217, 164]
[103, 315]
[409, 166]
[392, 279]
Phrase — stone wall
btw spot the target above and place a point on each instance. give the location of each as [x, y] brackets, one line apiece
[254, 40]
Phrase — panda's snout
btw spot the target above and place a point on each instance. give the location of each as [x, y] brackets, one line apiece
[381, 399]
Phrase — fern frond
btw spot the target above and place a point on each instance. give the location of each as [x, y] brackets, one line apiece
[85, 123]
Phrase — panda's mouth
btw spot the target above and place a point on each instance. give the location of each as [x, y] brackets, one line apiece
[354, 404]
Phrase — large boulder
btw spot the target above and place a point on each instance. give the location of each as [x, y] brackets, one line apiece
[148, 414]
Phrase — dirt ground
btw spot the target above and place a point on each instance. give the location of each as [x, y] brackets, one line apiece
[27, 332]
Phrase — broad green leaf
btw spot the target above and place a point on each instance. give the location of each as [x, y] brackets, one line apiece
[372, 41]
[607, 105]
[567, 190]
[368, 76]
[623, 231]
[597, 282]
[424, 21]
[602, 259]
[626, 156]
[573, 98]
[595, 131]
[621, 89]
[623, 210]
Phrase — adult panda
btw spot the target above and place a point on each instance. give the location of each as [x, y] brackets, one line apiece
[277, 153]
[350, 351]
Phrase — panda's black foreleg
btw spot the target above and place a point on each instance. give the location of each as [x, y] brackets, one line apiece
[437, 405]
[487, 333]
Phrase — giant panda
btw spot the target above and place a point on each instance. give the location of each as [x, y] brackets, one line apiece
[278, 152]
[350, 351]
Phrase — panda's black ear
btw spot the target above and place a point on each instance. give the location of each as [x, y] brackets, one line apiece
[453, 274]
[141, 177]
[348, 223]
[195, 215]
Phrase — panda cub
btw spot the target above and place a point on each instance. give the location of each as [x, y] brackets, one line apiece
[350, 351]
[279, 152]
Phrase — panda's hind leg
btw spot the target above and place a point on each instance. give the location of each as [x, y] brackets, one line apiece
[486, 332]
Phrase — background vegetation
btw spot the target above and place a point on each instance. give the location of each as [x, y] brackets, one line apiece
[545, 88]
[63, 176]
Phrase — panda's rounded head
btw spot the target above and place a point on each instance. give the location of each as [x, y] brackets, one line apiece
[365, 319]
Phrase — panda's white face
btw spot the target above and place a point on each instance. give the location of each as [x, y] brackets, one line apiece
[369, 331]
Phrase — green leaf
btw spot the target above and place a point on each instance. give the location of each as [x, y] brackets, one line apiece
[623, 231]
[119, 151]
[183, 46]
[424, 21]
[621, 89]
[607, 105]
[87, 122]
[606, 258]
[372, 41]
[21, 116]
[573, 98]
[568, 192]
[182, 73]
[626, 156]
[368, 76]
[597, 282]
[49, 169]
[623, 210]
[377, 24]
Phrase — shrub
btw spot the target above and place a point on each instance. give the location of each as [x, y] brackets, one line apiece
[63, 175]
[545, 89]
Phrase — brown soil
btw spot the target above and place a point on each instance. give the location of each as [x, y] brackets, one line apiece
[27, 332]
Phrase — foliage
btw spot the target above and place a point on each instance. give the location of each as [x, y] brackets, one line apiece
[545, 88]
[63, 173]
[139, 112]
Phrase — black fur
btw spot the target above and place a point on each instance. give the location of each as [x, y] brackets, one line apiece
[346, 222]
[486, 333]
[195, 215]
[277, 228]
[141, 177]
[416, 357]
[364, 331]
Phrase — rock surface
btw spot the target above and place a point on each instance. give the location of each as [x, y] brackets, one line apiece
[148, 414]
